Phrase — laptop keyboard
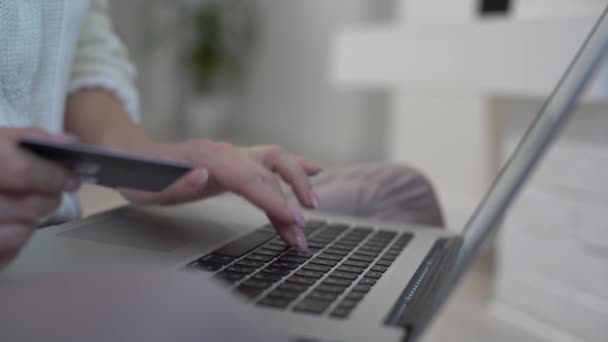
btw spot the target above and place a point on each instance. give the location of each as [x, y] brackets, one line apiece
[342, 265]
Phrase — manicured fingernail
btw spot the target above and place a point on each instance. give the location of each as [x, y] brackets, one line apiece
[204, 177]
[315, 200]
[72, 184]
[297, 215]
[300, 238]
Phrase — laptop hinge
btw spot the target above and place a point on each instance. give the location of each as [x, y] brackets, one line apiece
[412, 306]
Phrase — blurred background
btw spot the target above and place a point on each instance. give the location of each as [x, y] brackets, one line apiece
[448, 86]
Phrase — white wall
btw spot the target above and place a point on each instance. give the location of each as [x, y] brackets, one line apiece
[290, 100]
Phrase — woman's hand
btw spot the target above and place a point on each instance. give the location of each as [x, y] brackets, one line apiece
[252, 172]
[30, 188]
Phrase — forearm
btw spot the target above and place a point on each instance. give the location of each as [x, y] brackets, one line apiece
[97, 117]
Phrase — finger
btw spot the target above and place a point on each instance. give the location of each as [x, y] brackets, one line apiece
[293, 174]
[187, 188]
[27, 208]
[259, 187]
[22, 172]
[311, 168]
[12, 239]
[292, 235]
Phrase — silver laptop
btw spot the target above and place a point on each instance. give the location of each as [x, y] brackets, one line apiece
[361, 280]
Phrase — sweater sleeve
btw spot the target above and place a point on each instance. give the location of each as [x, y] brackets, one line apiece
[101, 60]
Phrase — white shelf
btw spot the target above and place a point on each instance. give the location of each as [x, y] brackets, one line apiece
[520, 58]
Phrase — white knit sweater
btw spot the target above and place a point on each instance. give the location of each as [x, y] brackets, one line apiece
[49, 48]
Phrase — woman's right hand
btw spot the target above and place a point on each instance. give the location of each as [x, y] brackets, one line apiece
[30, 188]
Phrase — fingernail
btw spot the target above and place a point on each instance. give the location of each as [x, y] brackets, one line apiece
[204, 177]
[297, 215]
[300, 238]
[72, 184]
[315, 200]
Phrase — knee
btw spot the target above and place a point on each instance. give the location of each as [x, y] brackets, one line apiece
[404, 177]
[412, 190]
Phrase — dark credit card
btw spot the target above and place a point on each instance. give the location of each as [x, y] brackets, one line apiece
[108, 167]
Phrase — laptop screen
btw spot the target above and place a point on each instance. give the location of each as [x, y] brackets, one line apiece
[557, 109]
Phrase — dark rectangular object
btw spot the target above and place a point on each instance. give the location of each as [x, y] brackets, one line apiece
[490, 7]
[108, 167]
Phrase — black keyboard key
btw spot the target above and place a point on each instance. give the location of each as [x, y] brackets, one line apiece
[389, 257]
[277, 270]
[330, 256]
[312, 306]
[337, 282]
[217, 259]
[368, 253]
[206, 266]
[336, 251]
[348, 304]
[359, 257]
[368, 281]
[330, 288]
[323, 296]
[394, 251]
[263, 276]
[362, 288]
[301, 280]
[365, 248]
[324, 262]
[356, 263]
[250, 263]
[316, 245]
[340, 313]
[291, 287]
[324, 240]
[275, 248]
[297, 253]
[355, 296]
[344, 275]
[245, 244]
[336, 227]
[350, 269]
[266, 251]
[283, 295]
[384, 262]
[373, 275]
[274, 303]
[296, 259]
[258, 284]
[285, 265]
[241, 269]
[318, 268]
[278, 243]
[231, 276]
[248, 291]
[259, 257]
[379, 268]
[344, 246]
[364, 230]
[310, 274]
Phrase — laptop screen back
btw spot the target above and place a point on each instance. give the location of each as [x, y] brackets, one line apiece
[559, 107]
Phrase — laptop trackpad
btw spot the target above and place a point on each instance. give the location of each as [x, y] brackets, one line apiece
[134, 230]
